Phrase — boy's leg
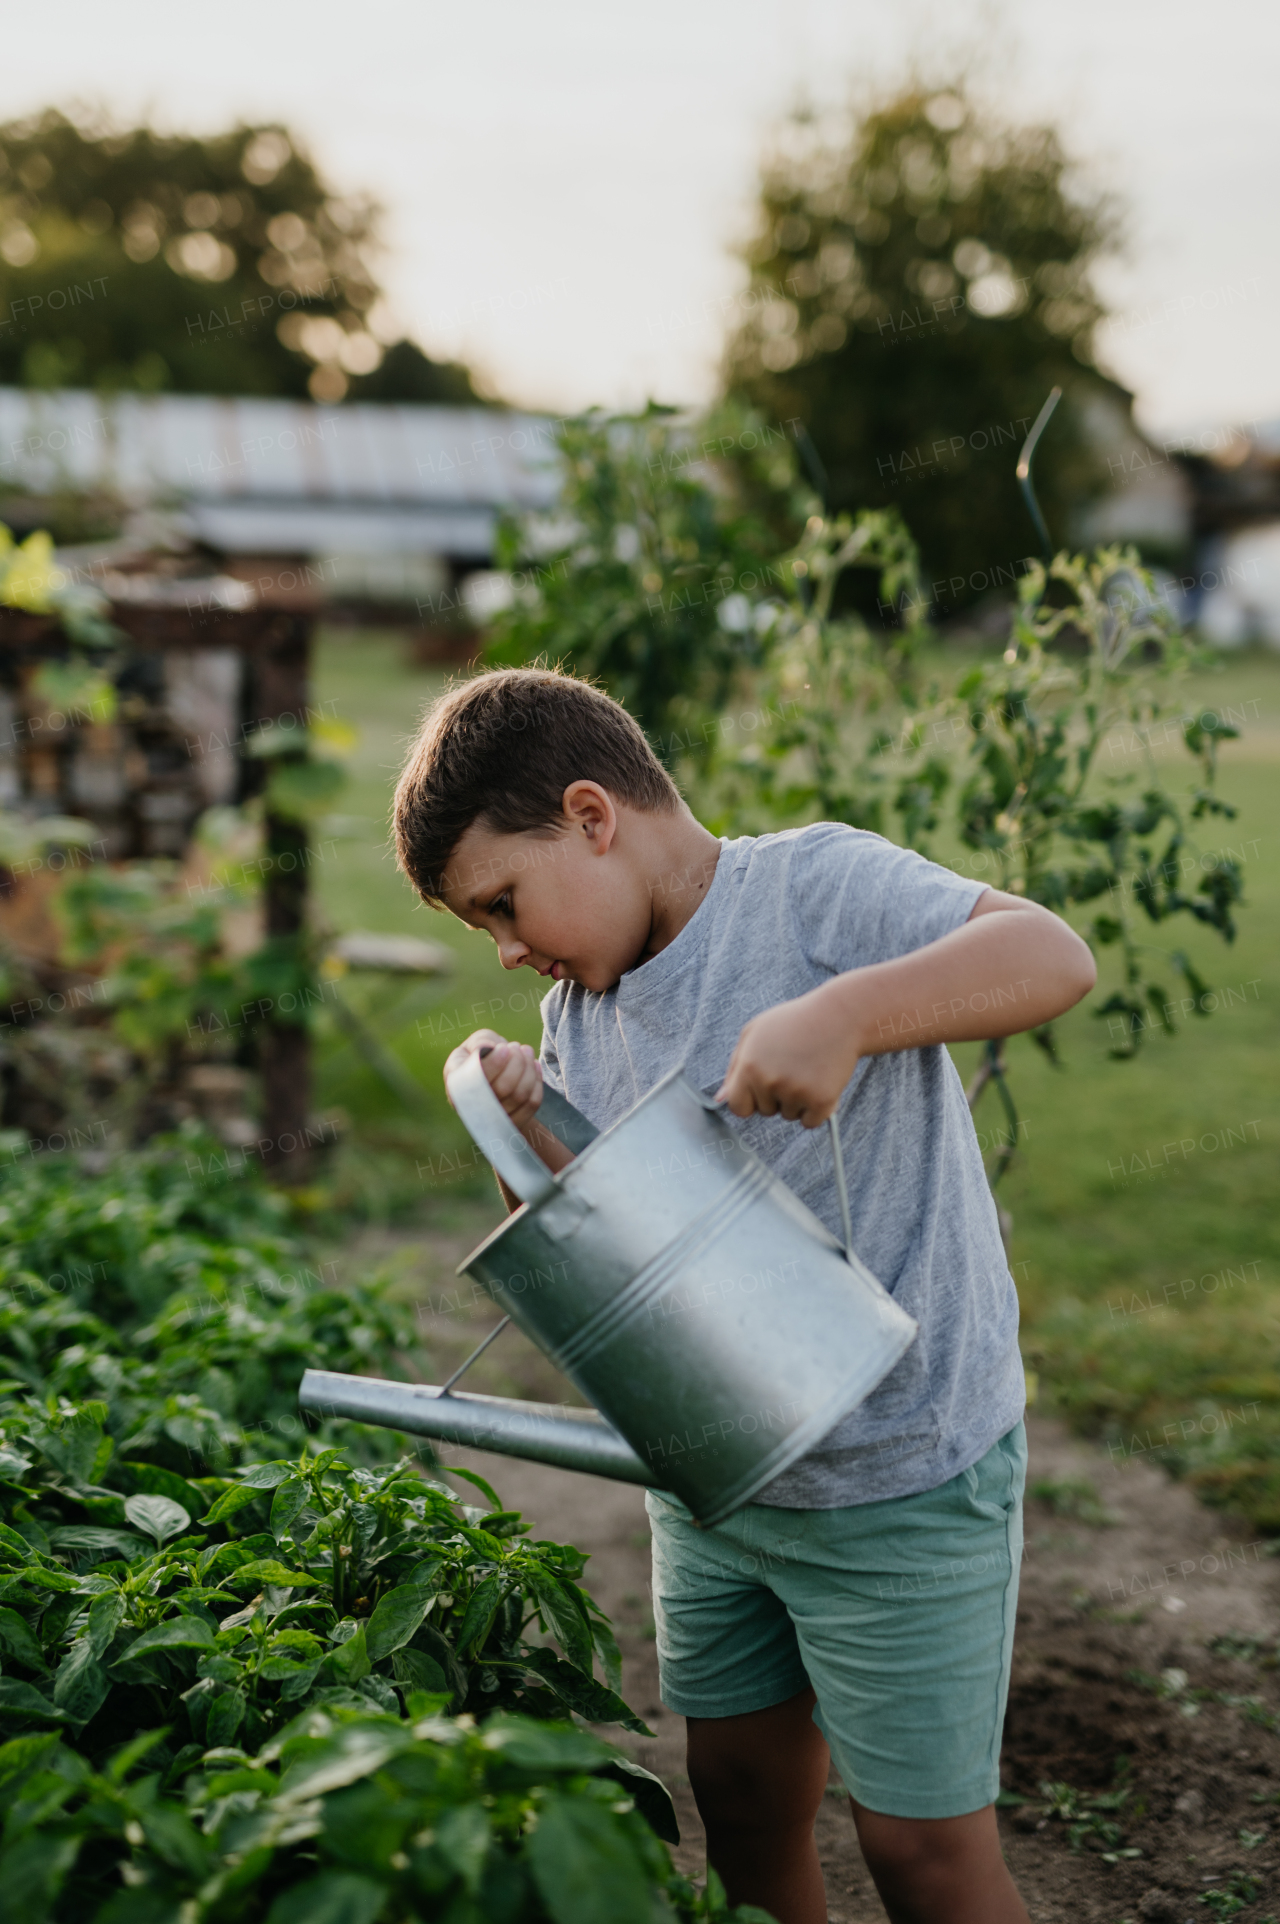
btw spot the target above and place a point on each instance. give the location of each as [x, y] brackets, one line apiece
[901, 1613]
[758, 1781]
[730, 1666]
[941, 1870]
[904, 1612]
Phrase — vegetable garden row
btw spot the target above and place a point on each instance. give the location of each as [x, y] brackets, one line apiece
[250, 1673]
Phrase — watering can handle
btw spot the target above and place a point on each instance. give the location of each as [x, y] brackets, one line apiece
[842, 1189]
[492, 1130]
[837, 1163]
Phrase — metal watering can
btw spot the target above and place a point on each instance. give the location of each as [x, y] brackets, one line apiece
[716, 1324]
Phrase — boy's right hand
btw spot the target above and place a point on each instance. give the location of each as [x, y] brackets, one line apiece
[512, 1070]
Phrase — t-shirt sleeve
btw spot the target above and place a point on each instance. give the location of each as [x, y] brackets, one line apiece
[547, 1053]
[860, 899]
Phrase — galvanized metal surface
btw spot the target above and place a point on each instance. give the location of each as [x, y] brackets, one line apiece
[684, 1290]
[569, 1439]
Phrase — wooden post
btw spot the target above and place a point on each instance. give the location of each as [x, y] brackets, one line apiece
[281, 683]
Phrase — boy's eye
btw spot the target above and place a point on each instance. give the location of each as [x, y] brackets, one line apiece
[502, 906]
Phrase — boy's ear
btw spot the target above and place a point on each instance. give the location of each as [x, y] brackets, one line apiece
[589, 810]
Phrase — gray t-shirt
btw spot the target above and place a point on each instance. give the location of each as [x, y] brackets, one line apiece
[785, 913]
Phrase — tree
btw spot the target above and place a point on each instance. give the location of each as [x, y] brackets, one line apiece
[405, 373]
[220, 266]
[917, 287]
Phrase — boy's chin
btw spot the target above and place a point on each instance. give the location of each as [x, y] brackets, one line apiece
[599, 972]
[597, 977]
[595, 981]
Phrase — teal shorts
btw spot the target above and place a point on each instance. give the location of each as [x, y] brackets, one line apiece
[900, 1615]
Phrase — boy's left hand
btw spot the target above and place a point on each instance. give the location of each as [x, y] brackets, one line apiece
[1012, 966]
[791, 1061]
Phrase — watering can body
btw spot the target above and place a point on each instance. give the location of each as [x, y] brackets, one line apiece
[684, 1290]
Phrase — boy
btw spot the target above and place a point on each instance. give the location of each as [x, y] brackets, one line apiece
[865, 1600]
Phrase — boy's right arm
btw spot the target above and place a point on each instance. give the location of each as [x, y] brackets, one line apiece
[515, 1076]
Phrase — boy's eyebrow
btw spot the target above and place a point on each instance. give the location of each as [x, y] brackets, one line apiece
[500, 889]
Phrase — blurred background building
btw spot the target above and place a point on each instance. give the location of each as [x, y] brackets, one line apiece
[385, 506]
[393, 508]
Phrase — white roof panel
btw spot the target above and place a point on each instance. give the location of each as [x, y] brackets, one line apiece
[205, 449]
[345, 528]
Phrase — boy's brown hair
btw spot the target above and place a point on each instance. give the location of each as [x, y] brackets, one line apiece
[505, 746]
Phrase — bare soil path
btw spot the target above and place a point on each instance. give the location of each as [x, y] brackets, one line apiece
[1146, 1657]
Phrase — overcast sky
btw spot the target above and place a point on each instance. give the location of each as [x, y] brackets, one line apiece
[565, 179]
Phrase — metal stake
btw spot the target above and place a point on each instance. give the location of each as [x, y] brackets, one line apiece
[478, 1351]
[1023, 469]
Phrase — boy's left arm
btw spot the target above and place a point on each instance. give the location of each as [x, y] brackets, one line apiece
[1013, 966]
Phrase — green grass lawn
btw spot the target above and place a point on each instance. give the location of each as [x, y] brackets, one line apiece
[394, 1158]
[1120, 1227]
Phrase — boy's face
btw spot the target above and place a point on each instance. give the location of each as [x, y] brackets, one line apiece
[574, 904]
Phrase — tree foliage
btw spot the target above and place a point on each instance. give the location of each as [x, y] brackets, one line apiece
[405, 373]
[228, 265]
[920, 279]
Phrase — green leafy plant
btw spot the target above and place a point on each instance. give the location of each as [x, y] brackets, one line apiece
[1061, 828]
[31, 580]
[1089, 1818]
[306, 771]
[664, 532]
[1075, 1497]
[1236, 1649]
[1093, 650]
[827, 688]
[1174, 1684]
[172, 1288]
[1239, 1890]
[171, 992]
[370, 1594]
[345, 1815]
[294, 1583]
[161, 944]
[850, 733]
[1171, 1684]
[20, 838]
[160, 948]
[262, 1689]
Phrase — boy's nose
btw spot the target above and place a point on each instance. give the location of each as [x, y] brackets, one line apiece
[513, 955]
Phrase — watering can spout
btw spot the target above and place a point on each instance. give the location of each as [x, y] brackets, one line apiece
[567, 1438]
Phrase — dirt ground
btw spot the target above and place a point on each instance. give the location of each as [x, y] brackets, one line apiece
[1145, 1669]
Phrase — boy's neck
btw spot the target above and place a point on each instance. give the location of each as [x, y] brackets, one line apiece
[681, 859]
